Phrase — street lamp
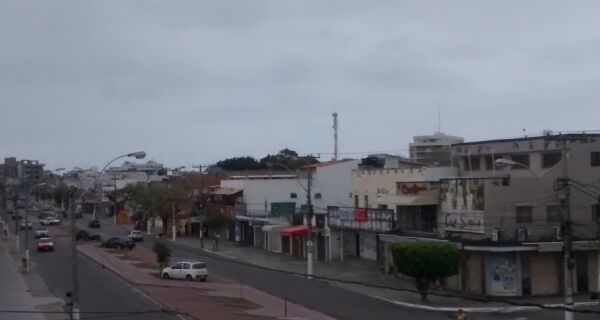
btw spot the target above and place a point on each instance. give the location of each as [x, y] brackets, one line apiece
[27, 224]
[309, 216]
[74, 262]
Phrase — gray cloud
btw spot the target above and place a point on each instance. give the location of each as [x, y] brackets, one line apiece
[195, 81]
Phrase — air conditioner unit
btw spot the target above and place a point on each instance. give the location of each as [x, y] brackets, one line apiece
[522, 234]
[496, 234]
[558, 232]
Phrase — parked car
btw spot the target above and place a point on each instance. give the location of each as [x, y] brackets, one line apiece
[24, 225]
[50, 221]
[45, 244]
[95, 224]
[136, 236]
[16, 216]
[140, 225]
[118, 243]
[41, 233]
[44, 215]
[86, 235]
[188, 270]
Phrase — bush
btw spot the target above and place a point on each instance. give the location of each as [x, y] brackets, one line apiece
[426, 262]
[163, 253]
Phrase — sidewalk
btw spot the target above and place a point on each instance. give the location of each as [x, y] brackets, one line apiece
[368, 272]
[24, 292]
[218, 298]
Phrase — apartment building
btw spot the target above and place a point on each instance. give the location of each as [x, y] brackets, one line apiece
[508, 221]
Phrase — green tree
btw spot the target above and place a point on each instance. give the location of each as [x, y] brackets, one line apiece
[238, 163]
[155, 201]
[163, 253]
[426, 262]
[61, 194]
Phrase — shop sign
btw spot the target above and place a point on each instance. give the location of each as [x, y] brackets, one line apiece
[412, 189]
[462, 204]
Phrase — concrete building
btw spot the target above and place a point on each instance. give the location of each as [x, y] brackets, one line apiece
[508, 223]
[150, 167]
[28, 171]
[10, 168]
[433, 150]
[389, 194]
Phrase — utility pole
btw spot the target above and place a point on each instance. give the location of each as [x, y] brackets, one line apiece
[309, 243]
[74, 262]
[27, 236]
[174, 227]
[597, 218]
[563, 197]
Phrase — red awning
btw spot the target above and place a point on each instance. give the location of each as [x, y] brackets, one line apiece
[294, 231]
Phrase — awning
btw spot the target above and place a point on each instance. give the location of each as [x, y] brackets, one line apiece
[271, 227]
[294, 231]
[414, 200]
[226, 191]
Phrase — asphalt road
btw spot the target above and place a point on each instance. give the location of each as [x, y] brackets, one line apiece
[334, 301]
[100, 290]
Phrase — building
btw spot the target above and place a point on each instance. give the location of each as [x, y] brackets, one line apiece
[509, 222]
[28, 171]
[433, 150]
[150, 167]
[389, 195]
[266, 204]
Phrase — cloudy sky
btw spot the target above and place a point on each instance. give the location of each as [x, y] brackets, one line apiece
[196, 81]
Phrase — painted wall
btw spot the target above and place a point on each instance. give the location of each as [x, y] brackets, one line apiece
[258, 191]
[334, 183]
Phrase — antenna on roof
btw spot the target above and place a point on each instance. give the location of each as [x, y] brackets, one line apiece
[439, 129]
[335, 136]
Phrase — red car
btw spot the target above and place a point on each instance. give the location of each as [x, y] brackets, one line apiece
[45, 244]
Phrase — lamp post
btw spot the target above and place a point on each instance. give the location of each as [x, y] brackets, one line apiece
[308, 215]
[74, 294]
[563, 196]
[27, 224]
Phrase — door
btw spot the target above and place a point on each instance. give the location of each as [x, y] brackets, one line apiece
[175, 272]
[321, 247]
[581, 263]
[187, 269]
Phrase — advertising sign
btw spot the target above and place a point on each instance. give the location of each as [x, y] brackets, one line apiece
[462, 204]
[504, 275]
[346, 214]
[282, 209]
[360, 214]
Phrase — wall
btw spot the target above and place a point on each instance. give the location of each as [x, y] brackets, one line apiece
[334, 182]
[368, 245]
[473, 273]
[256, 192]
[380, 184]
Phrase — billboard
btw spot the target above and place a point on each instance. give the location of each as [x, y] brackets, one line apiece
[462, 203]
[283, 209]
[504, 274]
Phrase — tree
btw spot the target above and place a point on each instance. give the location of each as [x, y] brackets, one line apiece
[60, 194]
[155, 201]
[238, 163]
[426, 261]
[288, 158]
[163, 253]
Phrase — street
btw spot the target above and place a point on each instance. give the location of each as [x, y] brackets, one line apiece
[100, 290]
[318, 295]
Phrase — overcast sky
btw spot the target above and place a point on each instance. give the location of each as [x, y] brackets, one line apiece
[197, 81]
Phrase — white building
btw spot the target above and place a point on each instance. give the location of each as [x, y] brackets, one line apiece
[433, 150]
[150, 167]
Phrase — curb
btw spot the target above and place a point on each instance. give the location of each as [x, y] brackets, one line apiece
[134, 285]
[479, 309]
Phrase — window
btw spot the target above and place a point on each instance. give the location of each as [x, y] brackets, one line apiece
[186, 266]
[293, 195]
[366, 201]
[550, 159]
[473, 163]
[177, 266]
[382, 206]
[520, 158]
[200, 266]
[489, 161]
[553, 214]
[524, 214]
[318, 196]
[595, 158]
[356, 201]
[595, 212]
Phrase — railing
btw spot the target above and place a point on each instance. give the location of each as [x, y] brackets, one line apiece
[377, 220]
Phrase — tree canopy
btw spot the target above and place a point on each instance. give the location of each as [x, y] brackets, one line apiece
[286, 157]
[426, 262]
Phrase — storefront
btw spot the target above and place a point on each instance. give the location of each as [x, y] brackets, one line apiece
[293, 240]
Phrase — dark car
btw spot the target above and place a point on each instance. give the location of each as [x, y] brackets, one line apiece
[140, 225]
[94, 224]
[16, 216]
[86, 235]
[44, 215]
[118, 243]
